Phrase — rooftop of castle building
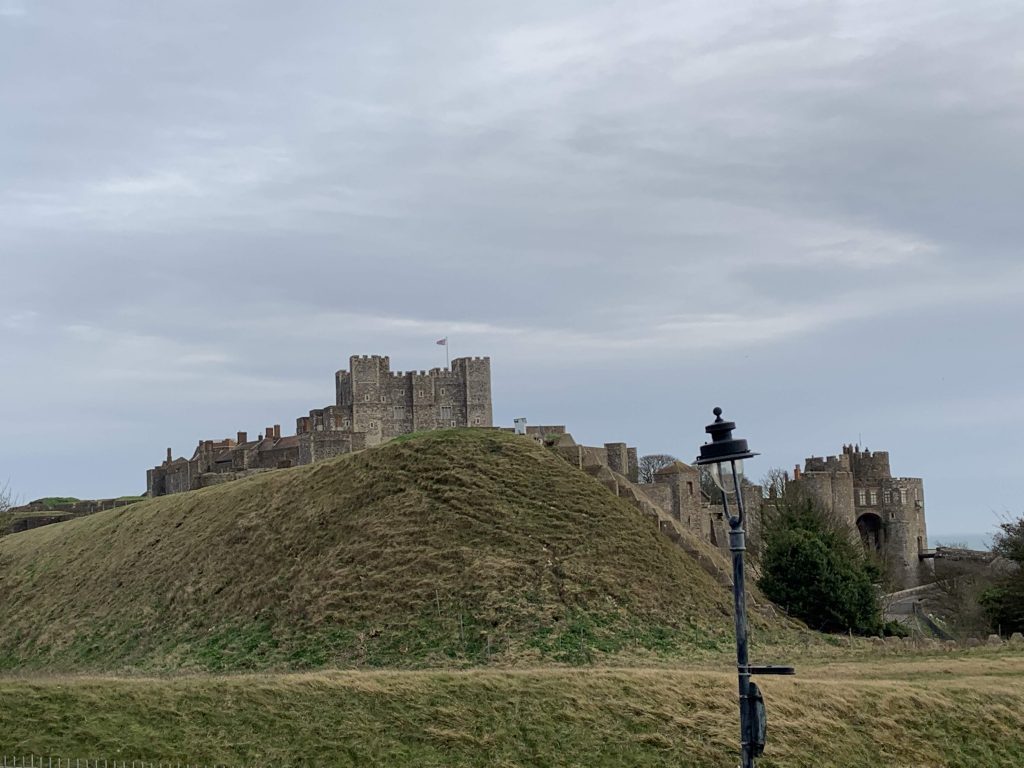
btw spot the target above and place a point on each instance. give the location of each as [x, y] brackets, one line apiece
[674, 467]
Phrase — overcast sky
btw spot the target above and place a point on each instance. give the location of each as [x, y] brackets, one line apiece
[809, 213]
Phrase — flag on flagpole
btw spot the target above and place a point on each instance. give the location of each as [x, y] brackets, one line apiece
[442, 342]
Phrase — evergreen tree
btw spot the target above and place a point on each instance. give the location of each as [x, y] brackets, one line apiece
[816, 570]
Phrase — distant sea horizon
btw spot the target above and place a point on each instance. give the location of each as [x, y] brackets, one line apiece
[971, 540]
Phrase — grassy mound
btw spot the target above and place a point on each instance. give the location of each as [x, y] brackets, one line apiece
[455, 547]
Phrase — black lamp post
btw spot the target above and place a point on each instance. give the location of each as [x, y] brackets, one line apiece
[724, 455]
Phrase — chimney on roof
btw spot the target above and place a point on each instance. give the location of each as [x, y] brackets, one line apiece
[269, 434]
[796, 472]
[243, 438]
[277, 431]
[170, 458]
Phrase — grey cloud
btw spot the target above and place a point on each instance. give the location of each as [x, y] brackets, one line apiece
[637, 210]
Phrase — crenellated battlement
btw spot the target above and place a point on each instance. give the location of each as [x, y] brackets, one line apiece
[827, 464]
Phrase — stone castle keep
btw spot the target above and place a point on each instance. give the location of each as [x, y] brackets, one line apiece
[857, 488]
[372, 404]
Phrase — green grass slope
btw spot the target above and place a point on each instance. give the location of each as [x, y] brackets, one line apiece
[447, 548]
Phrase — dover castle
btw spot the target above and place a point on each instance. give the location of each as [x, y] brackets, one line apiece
[373, 404]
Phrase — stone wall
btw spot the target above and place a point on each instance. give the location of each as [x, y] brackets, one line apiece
[39, 513]
[317, 446]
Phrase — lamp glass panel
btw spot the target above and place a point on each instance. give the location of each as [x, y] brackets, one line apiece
[722, 475]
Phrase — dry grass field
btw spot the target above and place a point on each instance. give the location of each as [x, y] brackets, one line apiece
[965, 710]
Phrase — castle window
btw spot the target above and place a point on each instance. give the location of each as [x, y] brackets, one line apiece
[399, 411]
[366, 398]
[862, 498]
[454, 424]
[446, 411]
[874, 498]
[892, 515]
[476, 420]
[442, 390]
[689, 486]
[383, 399]
[373, 424]
[903, 495]
[886, 497]
[346, 423]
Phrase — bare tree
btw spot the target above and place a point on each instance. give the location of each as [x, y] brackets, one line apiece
[773, 484]
[956, 599]
[7, 498]
[651, 463]
[708, 488]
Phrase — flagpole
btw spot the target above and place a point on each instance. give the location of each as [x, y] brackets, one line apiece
[447, 363]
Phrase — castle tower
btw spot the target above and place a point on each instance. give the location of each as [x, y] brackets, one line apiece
[683, 482]
[829, 481]
[474, 374]
[858, 488]
[369, 378]
[890, 514]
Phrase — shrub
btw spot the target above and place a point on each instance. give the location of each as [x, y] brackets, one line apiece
[816, 571]
[1004, 602]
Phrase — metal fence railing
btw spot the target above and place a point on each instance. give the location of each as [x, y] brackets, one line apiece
[38, 761]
